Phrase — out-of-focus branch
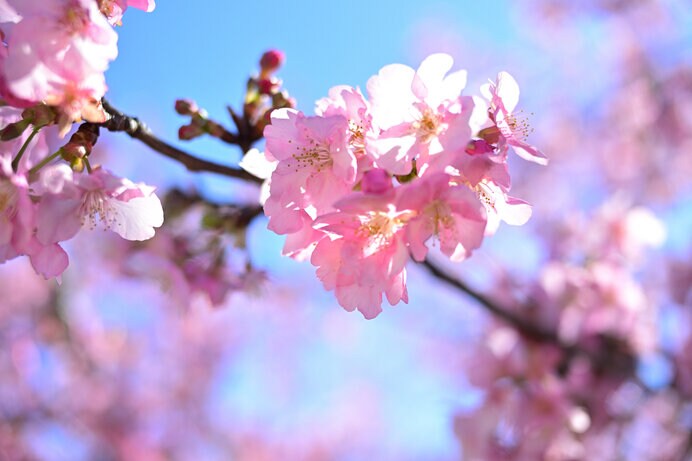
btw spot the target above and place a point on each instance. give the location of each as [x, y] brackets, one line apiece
[138, 130]
[526, 328]
[608, 357]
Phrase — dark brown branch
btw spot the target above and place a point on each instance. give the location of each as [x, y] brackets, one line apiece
[526, 328]
[138, 130]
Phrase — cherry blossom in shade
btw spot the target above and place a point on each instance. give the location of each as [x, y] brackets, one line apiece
[17, 225]
[58, 52]
[415, 110]
[451, 214]
[128, 209]
[503, 95]
[16, 212]
[315, 166]
[365, 254]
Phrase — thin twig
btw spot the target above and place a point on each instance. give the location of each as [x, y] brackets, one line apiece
[138, 130]
[528, 329]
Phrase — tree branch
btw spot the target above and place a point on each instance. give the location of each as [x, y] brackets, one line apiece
[138, 130]
[528, 329]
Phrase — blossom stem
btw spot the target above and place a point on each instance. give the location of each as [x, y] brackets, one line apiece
[20, 154]
[87, 164]
[138, 130]
[35, 169]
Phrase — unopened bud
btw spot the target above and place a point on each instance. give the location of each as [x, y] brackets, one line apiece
[491, 134]
[14, 130]
[478, 147]
[190, 131]
[268, 85]
[186, 107]
[40, 115]
[77, 164]
[271, 60]
[73, 151]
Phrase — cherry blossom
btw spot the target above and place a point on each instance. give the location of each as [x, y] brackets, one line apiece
[57, 54]
[450, 214]
[365, 254]
[503, 95]
[128, 209]
[415, 110]
[314, 165]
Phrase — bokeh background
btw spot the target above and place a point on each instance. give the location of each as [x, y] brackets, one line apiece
[116, 365]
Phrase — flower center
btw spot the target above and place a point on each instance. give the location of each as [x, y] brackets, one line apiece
[75, 20]
[428, 126]
[439, 212]
[378, 227]
[315, 157]
[357, 139]
[519, 126]
[485, 194]
[96, 208]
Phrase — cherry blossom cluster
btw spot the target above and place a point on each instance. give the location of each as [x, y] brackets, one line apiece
[52, 64]
[541, 403]
[57, 52]
[366, 183]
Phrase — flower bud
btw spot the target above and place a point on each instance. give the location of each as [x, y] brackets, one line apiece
[73, 151]
[40, 115]
[186, 107]
[478, 147]
[271, 60]
[491, 134]
[191, 131]
[14, 130]
[267, 85]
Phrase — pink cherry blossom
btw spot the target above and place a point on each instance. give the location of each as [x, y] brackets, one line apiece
[452, 214]
[16, 211]
[18, 215]
[415, 110]
[503, 95]
[350, 103]
[365, 253]
[131, 210]
[58, 52]
[315, 166]
[501, 207]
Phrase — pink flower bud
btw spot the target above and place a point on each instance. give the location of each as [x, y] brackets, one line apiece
[267, 85]
[478, 146]
[191, 131]
[186, 107]
[376, 181]
[270, 61]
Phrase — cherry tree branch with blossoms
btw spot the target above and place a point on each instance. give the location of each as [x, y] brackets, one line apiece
[415, 163]
[118, 122]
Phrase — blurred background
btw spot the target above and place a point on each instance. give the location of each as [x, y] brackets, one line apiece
[128, 359]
